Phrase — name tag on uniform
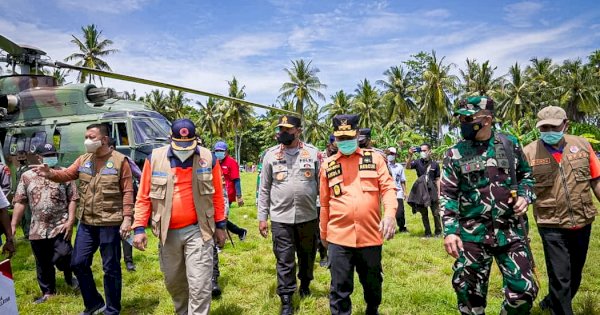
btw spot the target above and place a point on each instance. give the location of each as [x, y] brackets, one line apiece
[85, 170]
[540, 162]
[159, 174]
[108, 171]
[367, 167]
[203, 170]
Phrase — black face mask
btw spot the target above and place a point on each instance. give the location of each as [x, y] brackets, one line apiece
[363, 143]
[285, 138]
[469, 130]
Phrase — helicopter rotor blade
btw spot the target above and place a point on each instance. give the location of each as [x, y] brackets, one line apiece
[123, 77]
[10, 47]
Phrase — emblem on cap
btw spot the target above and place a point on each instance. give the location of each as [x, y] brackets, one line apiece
[184, 132]
[48, 146]
[284, 120]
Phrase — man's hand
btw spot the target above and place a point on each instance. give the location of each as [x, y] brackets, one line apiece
[42, 170]
[220, 237]
[453, 245]
[411, 151]
[140, 241]
[9, 248]
[263, 228]
[520, 207]
[125, 227]
[67, 229]
[387, 227]
[240, 201]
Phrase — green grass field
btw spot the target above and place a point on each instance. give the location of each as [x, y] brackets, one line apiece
[416, 281]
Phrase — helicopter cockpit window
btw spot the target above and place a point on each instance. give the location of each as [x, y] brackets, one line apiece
[38, 139]
[121, 133]
[21, 143]
[146, 130]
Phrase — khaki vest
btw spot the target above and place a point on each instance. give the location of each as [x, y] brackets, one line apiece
[101, 197]
[564, 199]
[161, 192]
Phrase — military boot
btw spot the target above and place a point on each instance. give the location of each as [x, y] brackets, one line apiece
[216, 290]
[304, 290]
[286, 305]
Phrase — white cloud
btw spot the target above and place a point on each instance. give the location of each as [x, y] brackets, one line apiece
[105, 6]
[521, 14]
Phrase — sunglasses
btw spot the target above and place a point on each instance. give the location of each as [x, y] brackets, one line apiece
[469, 119]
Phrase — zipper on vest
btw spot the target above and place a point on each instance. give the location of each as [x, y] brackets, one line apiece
[564, 182]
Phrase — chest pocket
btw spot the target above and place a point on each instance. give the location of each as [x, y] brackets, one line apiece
[58, 191]
[280, 173]
[581, 170]
[158, 188]
[306, 171]
[543, 175]
[369, 181]
[205, 183]
[84, 182]
[336, 188]
[111, 192]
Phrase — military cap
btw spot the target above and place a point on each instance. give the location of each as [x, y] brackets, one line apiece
[46, 149]
[474, 104]
[183, 135]
[331, 138]
[345, 125]
[365, 132]
[289, 121]
[551, 115]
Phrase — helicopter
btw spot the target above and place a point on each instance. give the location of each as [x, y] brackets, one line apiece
[35, 110]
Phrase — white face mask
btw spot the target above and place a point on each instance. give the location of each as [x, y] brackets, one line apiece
[391, 158]
[91, 146]
[183, 155]
[424, 155]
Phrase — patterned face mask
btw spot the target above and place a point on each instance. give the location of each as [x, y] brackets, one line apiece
[51, 161]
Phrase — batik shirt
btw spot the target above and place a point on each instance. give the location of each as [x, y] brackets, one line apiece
[476, 188]
[48, 201]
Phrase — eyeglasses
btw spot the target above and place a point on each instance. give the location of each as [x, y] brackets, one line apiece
[469, 119]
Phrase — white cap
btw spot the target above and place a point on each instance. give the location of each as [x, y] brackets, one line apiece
[392, 150]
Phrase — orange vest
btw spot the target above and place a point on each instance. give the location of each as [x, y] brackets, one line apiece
[161, 192]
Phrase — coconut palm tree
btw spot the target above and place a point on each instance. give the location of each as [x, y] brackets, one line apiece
[594, 59]
[367, 103]
[314, 131]
[177, 105]
[236, 115]
[398, 94]
[479, 79]
[340, 104]
[578, 93]
[91, 49]
[516, 98]
[435, 93]
[304, 85]
[157, 101]
[209, 119]
[543, 73]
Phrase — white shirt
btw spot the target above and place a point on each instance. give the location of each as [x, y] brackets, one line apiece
[399, 177]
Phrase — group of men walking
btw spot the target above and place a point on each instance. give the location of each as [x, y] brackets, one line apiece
[333, 200]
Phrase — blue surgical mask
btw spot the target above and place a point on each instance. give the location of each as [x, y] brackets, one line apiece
[552, 137]
[220, 155]
[347, 147]
[51, 161]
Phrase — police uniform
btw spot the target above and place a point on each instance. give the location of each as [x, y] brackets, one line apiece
[288, 193]
[351, 189]
[476, 187]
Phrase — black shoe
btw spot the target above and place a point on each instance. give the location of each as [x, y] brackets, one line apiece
[286, 305]
[403, 230]
[96, 310]
[243, 235]
[371, 311]
[324, 262]
[42, 299]
[130, 266]
[216, 290]
[545, 304]
[304, 290]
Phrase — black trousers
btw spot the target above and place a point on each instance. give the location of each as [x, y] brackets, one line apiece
[565, 251]
[127, 252]
[48, 253]
[437, 221]
[234, 228]
[320, 247]
[400, 218]
[216, 272]
[343, 260]
[290, 240]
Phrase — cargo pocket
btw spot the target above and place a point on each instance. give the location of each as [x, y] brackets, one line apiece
[158, 188]
[588, 205]
[581, 170]
[546, 213]
[155, 224]
[205, 183]
[84, 183]
[111, 193]
[369, 181]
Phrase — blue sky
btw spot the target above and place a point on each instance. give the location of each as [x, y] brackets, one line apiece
[202, 44]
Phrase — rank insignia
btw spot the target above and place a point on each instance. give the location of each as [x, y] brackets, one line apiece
[110, 164]
[367, 153]
[367, 159]
[331, 163]
[337, 190]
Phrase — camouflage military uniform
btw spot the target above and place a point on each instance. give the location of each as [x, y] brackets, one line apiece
[475, 193]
